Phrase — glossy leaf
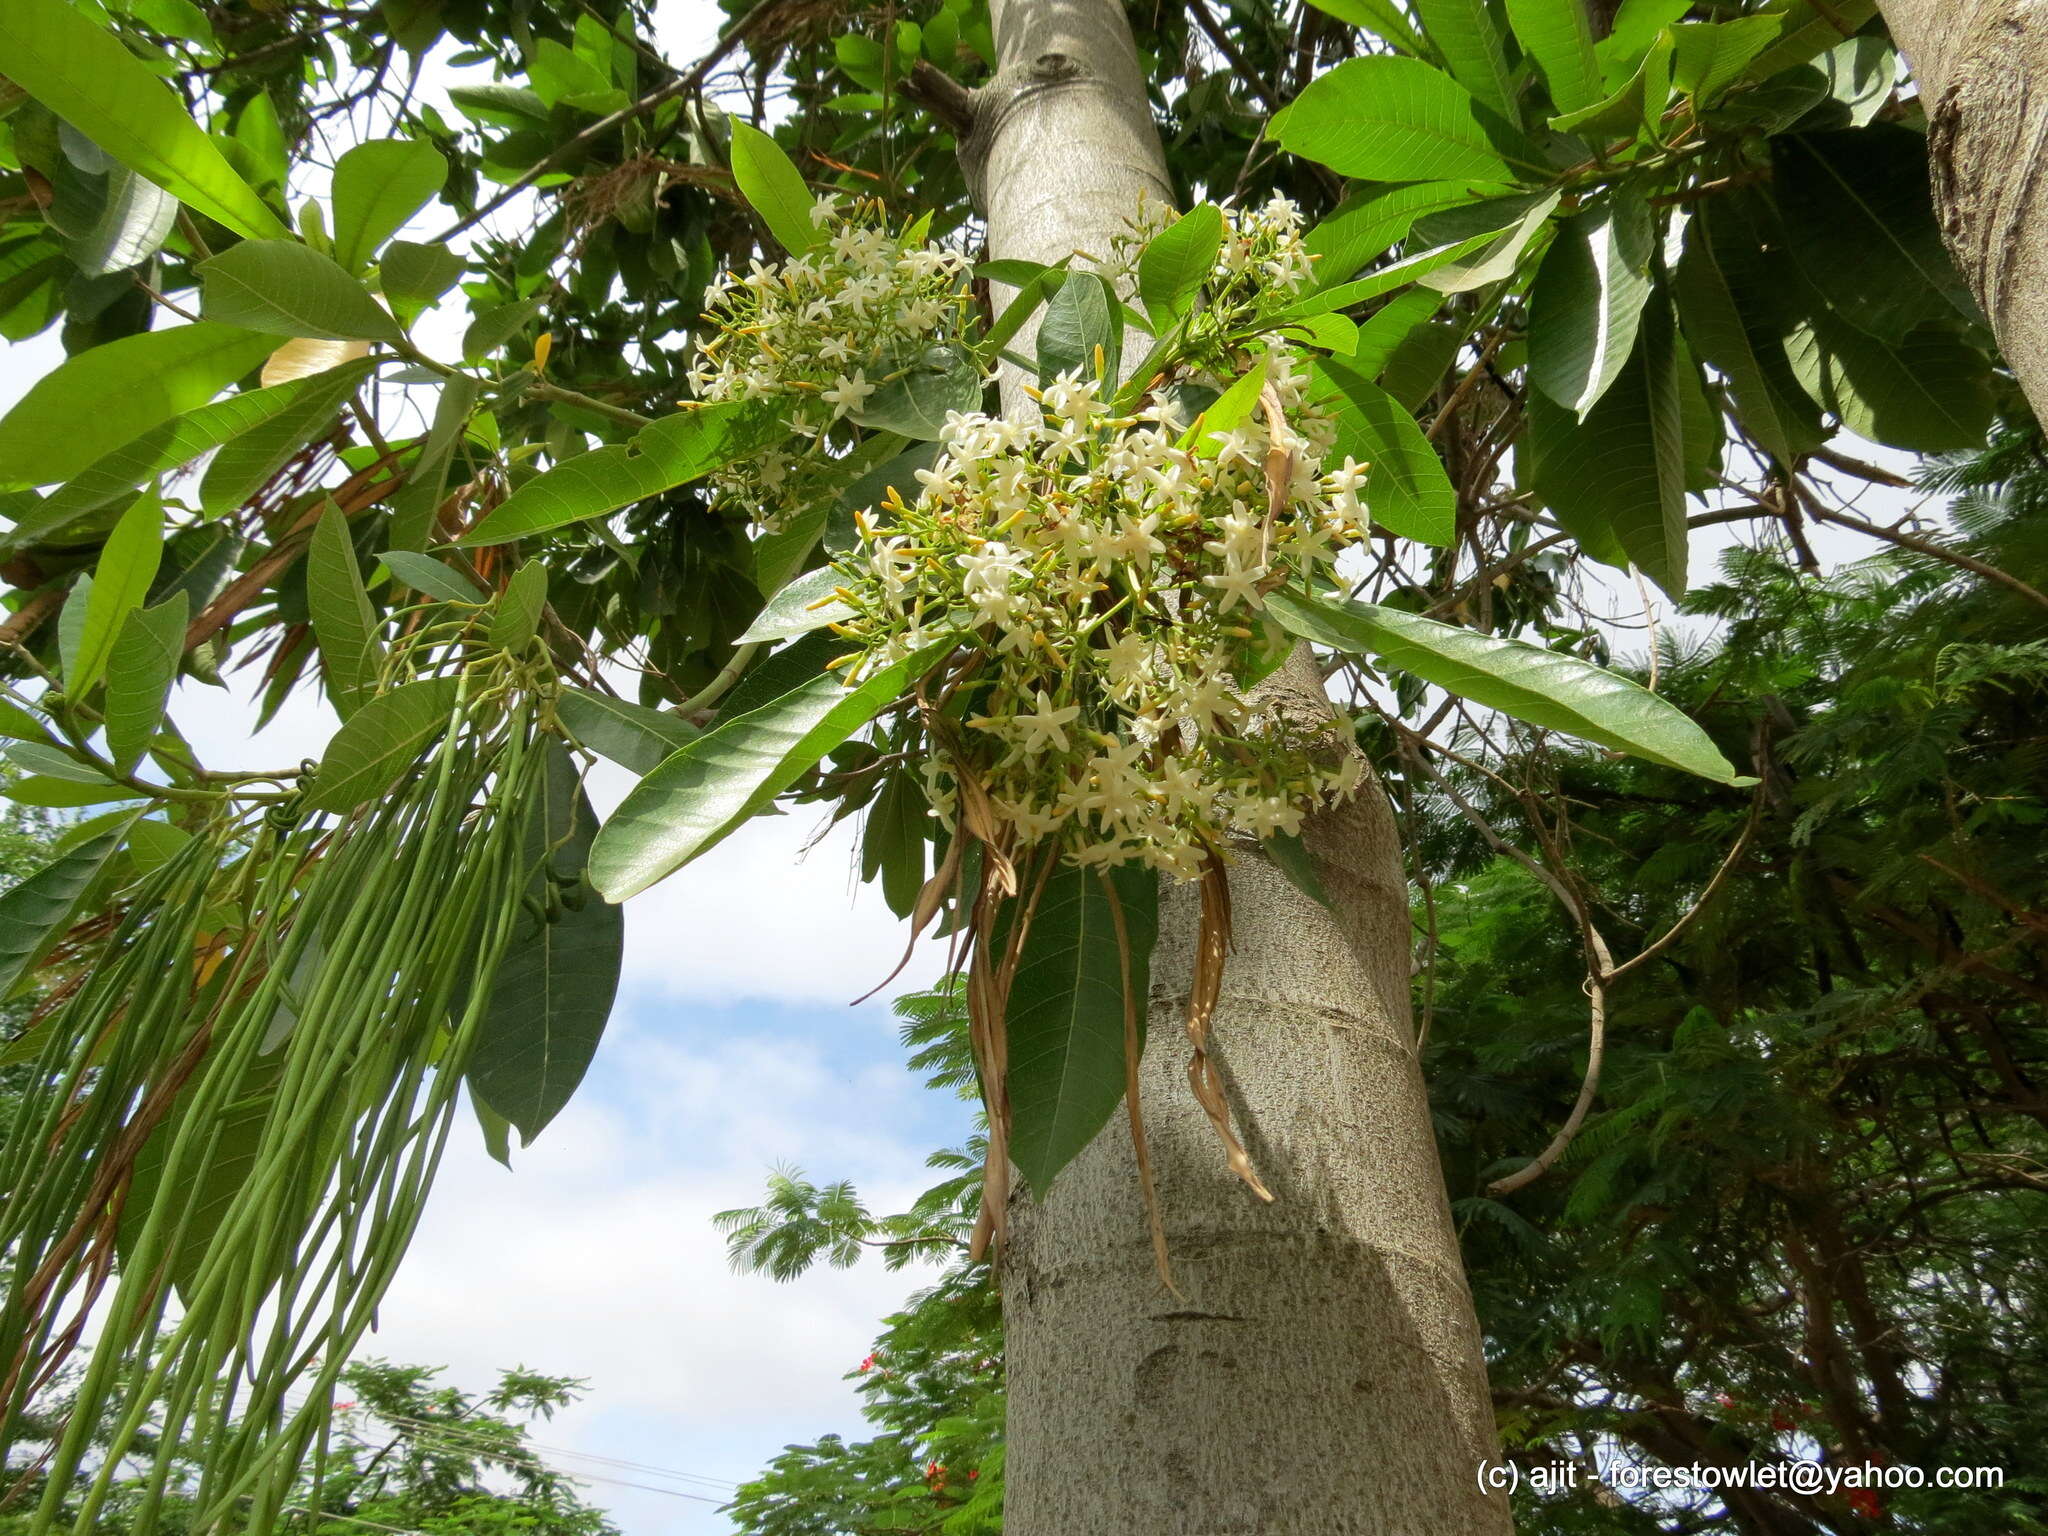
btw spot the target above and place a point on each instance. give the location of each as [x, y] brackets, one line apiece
[1588, 300]
[380, 741]
[553, 993]
[1066, 1013]
[669, 453]
[1558, 35]
[775, 188]
[1406, 488]
[139, 676]
[344, 620]
[1709, 56]
[98, 401]
[120, 580]
[1382, 18]
[377, 187]
[516, 618]
[283, 288]
[940, 381]
[1081, 317]
[134, 222]
[35, 913]
[703, 793]
[1928, 393]
[1177, 261]
[632, 735]
[1391, 119]
[800, 607]
[1518, 220]
[1542, 687]
[1616, 481]
[892, 843]
[247, 461]
[414, 276]
[1371, 220]
[431, 577]
[1465, 34]
[56, 52]
[1806, 30]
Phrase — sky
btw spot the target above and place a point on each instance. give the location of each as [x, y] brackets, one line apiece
[732, 1049]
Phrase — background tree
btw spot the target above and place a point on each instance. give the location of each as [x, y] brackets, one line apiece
[1572, 265]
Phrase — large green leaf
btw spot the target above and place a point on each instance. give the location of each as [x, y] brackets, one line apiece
[1559, 36]
[1709, 56]
[1542, 687]
[377, 187]
[1616, 481]
[246, 463]
[893, 842]
[1806, 30]
[56, 52]
[120, 580]
[632, 735]
[1391, 119]
[1588, 300]
[283, 288]
[1082, 317]
[1406, 488]
[431, 577]
[1382, 18]
[705, 791]
[802, 606]
[177, 442]
[1725, 311]
[1368, 222]
[939, 381]
[1518, 220]
[1930, 392]
[775, 188]
[1065, 1021]
[1861, 224]
[380, 741]
[669, 453]
[96, 402]
[516, 614]
[139, 677]
[135, 220]
[344, 621]
[554, 989]
[35, 913]
[1465, 34]
[1397, 274]
[1177, 261]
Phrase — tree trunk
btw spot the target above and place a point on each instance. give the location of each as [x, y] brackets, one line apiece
[1982, 68]
[1321, 1370]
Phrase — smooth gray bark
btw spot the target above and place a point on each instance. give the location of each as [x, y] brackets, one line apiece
[1321, 1371]
[1982, 69]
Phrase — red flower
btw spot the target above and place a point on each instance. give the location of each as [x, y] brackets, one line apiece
[973, 1473]
[344, 1407]
[867, 1364]
[1781, 1424]
[1864, 1501]
[1724, 1400]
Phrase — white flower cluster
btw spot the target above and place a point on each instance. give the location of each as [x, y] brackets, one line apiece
[1111, 570]
[823, 332]
[1114, 571]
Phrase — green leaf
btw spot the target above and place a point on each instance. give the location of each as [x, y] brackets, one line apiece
[1558, 35]
[100, 400]
[1065, 1020]
[35, 913]
[695, 799]
[1709, 56]
[1634, 109]
[1406, 487]
[669, 453]
[1369, 221]
[892, 844]
[55, 51]
[1465, 34]
[56, 762]
[1391, 119]
[1861, 224]
[1391, 326]
[1228, 411]
[516, 618]
[1291, 857]
[344, 620]
[1807, 30]
[134, 222]
[1861, 75]
[139, 676]
[775, 189]
[127, 565]
[1929, 393]
[1382, 18]
[1080, 317]
[1542, 687]
[1721, 288]
[177, 442]
[1177, 261]
[1516, 221]
[1587, 301]
[431, 577]
[1635, 30]
[632, 735]
[246, 463]
[51, 793]
[1616, 481]
[554, 989]
[380, 741]
[805, 604]
[377, 187]
[941, 380]
[1399, 274]
[283, 288]
[415, 276]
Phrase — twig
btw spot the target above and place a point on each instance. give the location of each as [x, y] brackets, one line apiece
[1706, 895]
[1820, 513]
